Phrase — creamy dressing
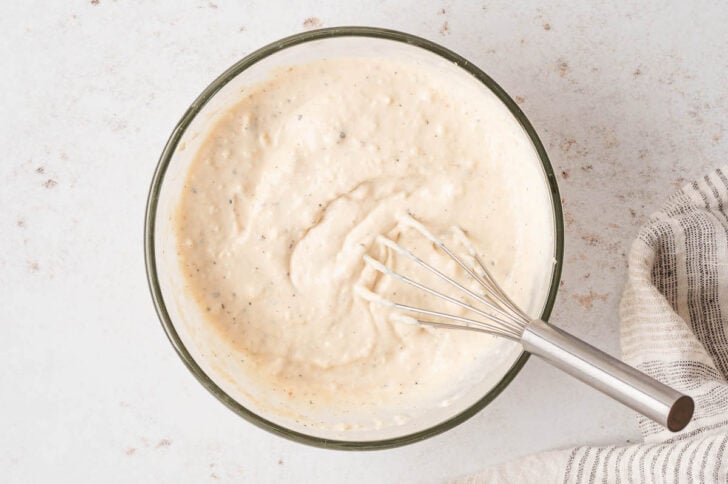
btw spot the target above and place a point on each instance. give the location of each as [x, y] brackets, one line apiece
[290, 189]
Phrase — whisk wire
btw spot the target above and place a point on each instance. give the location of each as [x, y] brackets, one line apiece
[487, 281]
[471, 323]
[492, 290]
[495, 287]
[375, 264]
[401, 250]
[467, 327]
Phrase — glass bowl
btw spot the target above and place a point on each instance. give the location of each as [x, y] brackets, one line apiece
[183, 321]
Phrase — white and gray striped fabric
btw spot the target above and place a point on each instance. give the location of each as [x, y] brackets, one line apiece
[674, 316]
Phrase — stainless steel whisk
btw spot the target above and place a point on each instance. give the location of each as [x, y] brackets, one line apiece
[503, 318]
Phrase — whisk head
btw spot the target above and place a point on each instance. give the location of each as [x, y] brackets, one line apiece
[495, 313]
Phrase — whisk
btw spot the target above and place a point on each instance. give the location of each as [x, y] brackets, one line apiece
[496, 314]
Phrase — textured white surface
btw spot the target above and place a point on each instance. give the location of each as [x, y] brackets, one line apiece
[628, 101]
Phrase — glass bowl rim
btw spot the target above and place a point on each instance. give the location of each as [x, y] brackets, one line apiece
[158, 179]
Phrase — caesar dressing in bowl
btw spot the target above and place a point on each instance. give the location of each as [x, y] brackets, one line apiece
[274, 186]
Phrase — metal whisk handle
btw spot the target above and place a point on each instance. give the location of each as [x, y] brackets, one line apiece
[618, 380]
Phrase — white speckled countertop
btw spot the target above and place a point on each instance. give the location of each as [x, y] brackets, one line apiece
[629, 102]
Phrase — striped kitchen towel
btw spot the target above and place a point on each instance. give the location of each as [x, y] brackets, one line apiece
[674, 316]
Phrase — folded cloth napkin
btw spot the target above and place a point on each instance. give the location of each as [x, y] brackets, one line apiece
[674, 315]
